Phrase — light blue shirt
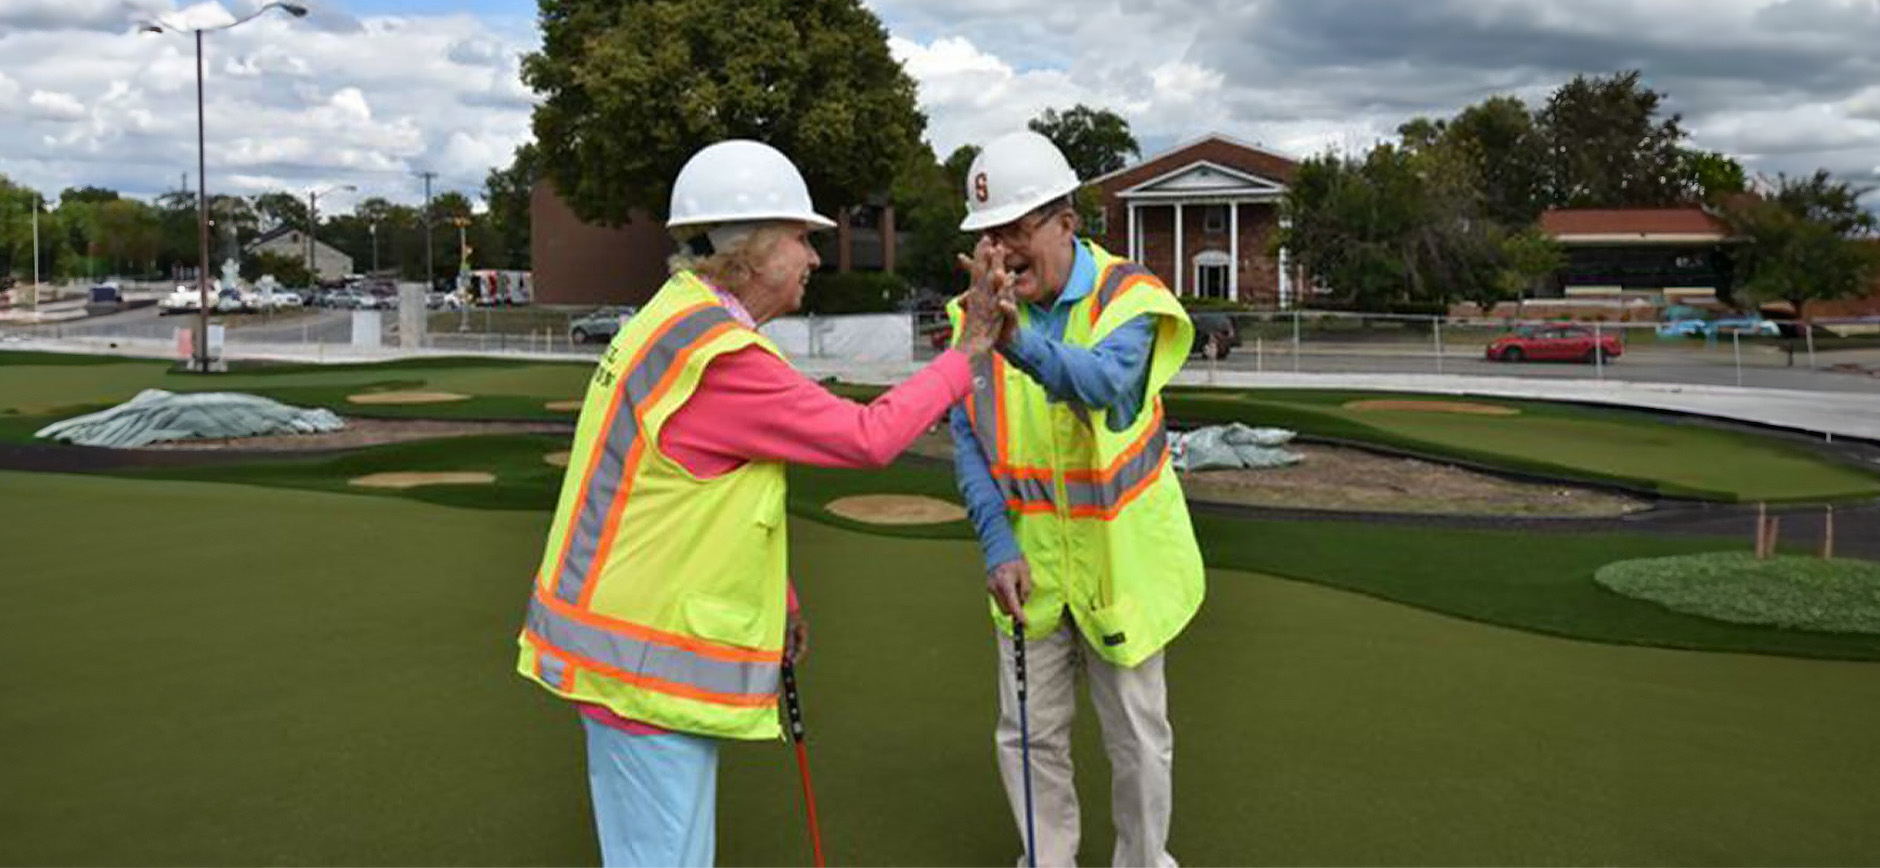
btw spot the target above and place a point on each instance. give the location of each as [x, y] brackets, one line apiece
[1110, 376]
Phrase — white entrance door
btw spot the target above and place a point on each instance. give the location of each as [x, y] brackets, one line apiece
[1211, 278]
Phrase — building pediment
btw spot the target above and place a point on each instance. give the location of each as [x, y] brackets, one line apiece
[1205, 179]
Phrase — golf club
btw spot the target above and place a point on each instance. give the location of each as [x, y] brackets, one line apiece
[1024, 744]
[794, 707]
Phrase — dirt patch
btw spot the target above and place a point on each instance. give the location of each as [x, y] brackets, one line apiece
[367, 432]
[563, 406]
[558, 459]
[895, 509]
[406, 397]
[414, 479]
[1354, 480]
[1465, 407]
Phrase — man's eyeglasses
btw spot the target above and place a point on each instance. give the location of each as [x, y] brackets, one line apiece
[1018, 232]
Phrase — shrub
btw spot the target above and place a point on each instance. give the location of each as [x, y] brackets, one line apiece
[854, 292]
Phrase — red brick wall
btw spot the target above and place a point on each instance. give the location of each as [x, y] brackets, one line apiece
[587, 264]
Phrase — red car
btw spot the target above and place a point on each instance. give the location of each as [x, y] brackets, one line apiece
[1554, 343]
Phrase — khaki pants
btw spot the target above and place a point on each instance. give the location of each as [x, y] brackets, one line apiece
[1132, 706]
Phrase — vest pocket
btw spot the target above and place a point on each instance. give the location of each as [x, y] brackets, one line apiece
[1111, 622]
[720, 620]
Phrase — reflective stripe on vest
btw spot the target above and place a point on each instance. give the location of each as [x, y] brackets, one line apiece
[648, 658]
[1090, 494]
[611, 467]
[1117, 278]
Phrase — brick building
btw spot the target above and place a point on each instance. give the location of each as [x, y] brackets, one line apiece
[579, 263]
[1201, 216]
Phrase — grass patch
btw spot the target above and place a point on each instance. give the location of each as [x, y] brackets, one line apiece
[1798, 593]
[347, 664]
[1630, 449]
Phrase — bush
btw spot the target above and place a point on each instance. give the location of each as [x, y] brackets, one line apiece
[1831, 596]
[1194, 302]
[854, 292]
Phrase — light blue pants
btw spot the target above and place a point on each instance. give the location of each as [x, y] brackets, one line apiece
[655, 796]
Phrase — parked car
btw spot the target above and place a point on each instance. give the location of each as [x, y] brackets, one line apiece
[1216, 329]
[1690, 327]
[1746, 325]
[1555, 343]
[600, 325]
[184, 299]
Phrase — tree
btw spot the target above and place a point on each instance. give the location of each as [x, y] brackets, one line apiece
[288, 270]
[1509, 156]
[1397, 230]
[89, 195]
[1710, 176]
[280, 208]
[1095, 141]
[929, 206]
[631, 89]
[1528, 257]
[1607, 147]
[507, 191]
[1807, 240]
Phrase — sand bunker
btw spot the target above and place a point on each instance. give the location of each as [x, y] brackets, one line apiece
[406, 397]
[896, 509]
[414, 479]
[562, 405]
[1434, 407]
[559, 459]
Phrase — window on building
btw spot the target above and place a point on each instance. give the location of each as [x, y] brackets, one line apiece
[1214, 218]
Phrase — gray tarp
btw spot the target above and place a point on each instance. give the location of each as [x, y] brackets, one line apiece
[1231, 447]
[155, 415]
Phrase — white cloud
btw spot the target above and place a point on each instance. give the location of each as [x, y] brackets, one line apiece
[288, 103]
[55, 106]
[372, 100]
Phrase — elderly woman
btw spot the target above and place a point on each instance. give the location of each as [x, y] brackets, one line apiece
[661, 604]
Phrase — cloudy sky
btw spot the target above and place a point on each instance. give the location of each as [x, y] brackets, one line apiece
[370, 92]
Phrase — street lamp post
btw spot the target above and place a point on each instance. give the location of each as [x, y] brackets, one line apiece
[37, 204]
[375, 249]
[313, 224]
[200, 351]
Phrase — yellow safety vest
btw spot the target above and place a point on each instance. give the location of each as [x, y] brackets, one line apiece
[1098, 513]
[662, 596]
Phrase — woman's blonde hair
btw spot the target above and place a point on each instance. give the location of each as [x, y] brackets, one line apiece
[738, 262]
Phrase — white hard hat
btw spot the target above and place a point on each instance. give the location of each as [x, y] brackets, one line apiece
[738, 180]
[1014, 174]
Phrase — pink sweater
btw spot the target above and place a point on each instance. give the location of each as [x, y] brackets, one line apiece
[752, 406]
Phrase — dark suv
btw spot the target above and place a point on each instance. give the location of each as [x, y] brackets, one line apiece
[1215, 328]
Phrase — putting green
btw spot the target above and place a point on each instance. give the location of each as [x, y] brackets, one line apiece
[343, 663]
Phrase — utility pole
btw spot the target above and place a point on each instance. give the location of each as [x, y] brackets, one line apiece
[430, 279]
[36, 204]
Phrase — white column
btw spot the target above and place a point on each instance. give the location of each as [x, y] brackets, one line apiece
[1233, 251]
[1181, 267]
[1135, 250]
[1285, 272]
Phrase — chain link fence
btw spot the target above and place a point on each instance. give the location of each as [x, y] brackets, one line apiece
[1845, 357]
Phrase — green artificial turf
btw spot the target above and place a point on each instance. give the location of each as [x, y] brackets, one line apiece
[329, 682]
[1636, 450]
[1629, 448]
[1800, 593]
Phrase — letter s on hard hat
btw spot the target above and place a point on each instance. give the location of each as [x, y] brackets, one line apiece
[1014, 174]
[739, 180]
